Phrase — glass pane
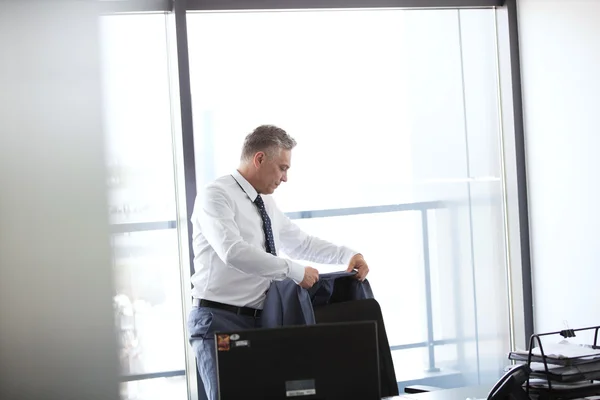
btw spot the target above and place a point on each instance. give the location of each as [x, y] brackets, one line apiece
[410, 365]
[137, 116]
[155, 389]
[396, 281]
[148, 304]
[401, 111]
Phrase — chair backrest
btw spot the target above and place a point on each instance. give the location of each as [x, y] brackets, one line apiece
[365, 310]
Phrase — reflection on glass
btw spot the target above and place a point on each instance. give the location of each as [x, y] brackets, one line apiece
[148, 306]
[137, 118]
[155, 389]
[389, 107]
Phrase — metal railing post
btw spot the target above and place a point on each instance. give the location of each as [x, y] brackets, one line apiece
[429, 307]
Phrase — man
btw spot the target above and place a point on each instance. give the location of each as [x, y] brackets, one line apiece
[239, 235]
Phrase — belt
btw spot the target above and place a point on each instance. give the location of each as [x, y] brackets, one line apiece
[252, 312]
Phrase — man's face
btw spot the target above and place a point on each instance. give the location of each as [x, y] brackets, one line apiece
[273, 170]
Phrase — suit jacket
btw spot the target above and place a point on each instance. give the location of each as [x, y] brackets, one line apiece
[289, 304]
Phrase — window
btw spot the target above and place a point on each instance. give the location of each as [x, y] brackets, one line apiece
[155, 389]
[138, 118]
[142, 194]
[148, 301]
[396, 117]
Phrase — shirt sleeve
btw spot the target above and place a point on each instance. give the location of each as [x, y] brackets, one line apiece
[301, 246]
[217, 223]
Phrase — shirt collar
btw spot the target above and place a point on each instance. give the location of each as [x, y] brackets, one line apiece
[246, 186]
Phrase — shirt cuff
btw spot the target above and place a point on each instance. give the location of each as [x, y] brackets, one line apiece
[296, 272]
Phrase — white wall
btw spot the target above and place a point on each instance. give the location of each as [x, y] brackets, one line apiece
[560, 61]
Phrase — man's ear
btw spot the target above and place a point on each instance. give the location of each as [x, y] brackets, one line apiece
[259, 157]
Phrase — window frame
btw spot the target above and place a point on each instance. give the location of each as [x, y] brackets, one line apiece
[515, 177]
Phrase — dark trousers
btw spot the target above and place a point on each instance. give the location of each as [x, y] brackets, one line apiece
[203, 322]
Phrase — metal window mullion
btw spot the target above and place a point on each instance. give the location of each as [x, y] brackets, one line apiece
[154, 375]
[142, 226]
[240, 5]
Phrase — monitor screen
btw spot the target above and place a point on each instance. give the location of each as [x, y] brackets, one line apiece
[322, 361]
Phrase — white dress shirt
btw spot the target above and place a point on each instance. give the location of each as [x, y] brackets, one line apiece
[230, 261]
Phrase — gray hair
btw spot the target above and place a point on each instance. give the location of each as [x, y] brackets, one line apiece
[266, 138]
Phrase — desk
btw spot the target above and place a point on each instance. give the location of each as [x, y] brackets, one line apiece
[474, 392]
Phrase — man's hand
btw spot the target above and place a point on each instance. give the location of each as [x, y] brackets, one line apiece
[311, 276]
[359, 264]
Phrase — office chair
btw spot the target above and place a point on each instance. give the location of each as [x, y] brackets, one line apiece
[364, 310]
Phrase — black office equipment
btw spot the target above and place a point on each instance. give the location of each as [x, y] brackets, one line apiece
[556, 374]
[510, 386]
[322, 361]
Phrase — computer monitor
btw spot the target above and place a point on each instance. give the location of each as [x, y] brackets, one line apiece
[313, 362]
